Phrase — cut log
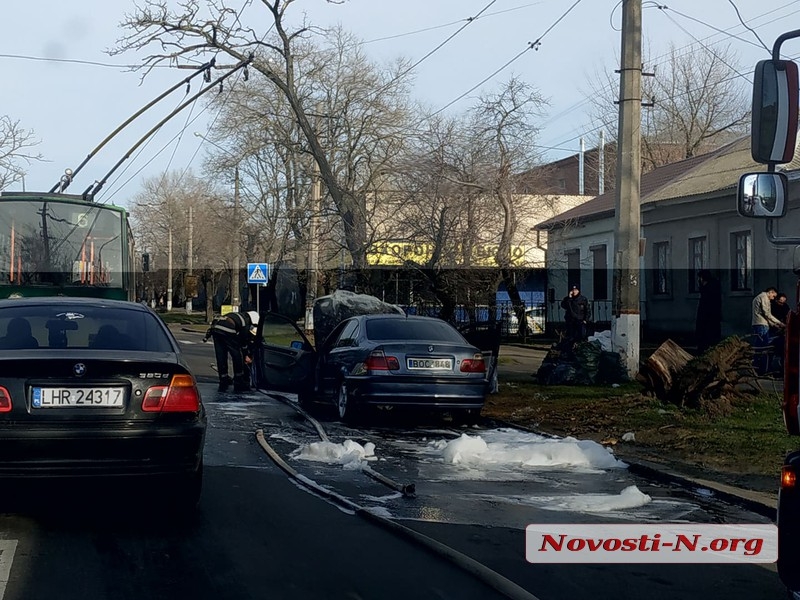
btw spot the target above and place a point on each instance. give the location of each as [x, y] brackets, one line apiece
[659, 371]
[673, 375]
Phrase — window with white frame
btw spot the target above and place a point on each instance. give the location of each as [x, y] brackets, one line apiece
[698, 253]
[741, 261]
[661, 273]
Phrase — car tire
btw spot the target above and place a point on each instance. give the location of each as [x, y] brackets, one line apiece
[344, 404]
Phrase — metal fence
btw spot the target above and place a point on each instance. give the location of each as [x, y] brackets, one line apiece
[501, 314]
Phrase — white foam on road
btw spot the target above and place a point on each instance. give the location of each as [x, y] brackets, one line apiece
[502, 448]
[349, 454]
[629, 498]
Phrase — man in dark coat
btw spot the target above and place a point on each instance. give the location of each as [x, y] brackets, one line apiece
[708, 327]
[576, 314]
[780, 310]
[232, 336]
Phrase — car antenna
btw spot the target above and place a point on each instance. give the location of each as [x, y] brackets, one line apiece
[98, 185]
[66, 179]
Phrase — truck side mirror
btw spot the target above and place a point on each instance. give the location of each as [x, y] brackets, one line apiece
[775, 104]
[762, 195]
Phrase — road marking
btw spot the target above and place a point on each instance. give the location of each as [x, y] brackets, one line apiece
[7, 550]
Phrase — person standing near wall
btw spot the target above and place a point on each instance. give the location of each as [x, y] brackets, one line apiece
[576, 314]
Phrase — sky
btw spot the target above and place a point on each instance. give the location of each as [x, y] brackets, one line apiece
[59, 81]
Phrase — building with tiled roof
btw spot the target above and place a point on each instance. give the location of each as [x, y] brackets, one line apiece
[689, 222]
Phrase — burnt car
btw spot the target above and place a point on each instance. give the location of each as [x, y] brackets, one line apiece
[376, 360]
[97, 388]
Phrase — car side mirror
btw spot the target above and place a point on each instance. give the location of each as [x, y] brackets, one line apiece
[297, 345]
[762, 195]
[775, 106]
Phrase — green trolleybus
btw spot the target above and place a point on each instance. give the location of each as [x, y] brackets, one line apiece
[62, 244]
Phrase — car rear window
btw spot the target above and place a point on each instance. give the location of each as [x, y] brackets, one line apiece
[31, 326]
[412, 329]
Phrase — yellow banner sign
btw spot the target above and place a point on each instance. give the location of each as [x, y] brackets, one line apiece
[399, 253]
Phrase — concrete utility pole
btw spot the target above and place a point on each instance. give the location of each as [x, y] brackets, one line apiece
[313, 250]
[237, 243]
[601, 164]
[190, 264]
[169, 271]
[625, 326]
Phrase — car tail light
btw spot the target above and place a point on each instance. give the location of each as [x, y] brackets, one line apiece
[791, 374]
[180, 396]
[378, 361]
[788, 477]
[476, 364]
[5, 400]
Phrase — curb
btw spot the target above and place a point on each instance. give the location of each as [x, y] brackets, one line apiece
[756, 502]
[753, 501]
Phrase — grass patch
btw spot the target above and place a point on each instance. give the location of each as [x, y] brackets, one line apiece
[183, 318]
[750, 441]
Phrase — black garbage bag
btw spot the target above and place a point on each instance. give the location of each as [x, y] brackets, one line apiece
[587, 355]
[563, 374]
[545, 372]
[611, 368]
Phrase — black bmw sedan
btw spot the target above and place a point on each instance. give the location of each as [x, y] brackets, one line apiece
[97, 388]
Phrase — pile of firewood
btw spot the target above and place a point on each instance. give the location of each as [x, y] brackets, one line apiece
[707, 381]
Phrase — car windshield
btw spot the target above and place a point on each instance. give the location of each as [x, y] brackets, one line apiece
[33, 326]
[412, 329]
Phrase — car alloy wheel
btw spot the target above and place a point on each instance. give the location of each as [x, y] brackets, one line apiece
[342, 401]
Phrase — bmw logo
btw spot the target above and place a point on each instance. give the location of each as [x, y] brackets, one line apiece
[79, 369]
[430, 348]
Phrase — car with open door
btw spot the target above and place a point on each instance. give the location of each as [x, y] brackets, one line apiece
[377, 360]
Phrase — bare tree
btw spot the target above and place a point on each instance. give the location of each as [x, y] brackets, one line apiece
[460, 179]
[15, 146]
[161, 211]
[435, 211]
[196, 29]
[505, 130]
[699, 103]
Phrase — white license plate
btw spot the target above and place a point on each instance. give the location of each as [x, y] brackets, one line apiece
[77, 397]
[429, 364]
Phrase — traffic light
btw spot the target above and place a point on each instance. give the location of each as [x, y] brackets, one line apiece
[145, 262]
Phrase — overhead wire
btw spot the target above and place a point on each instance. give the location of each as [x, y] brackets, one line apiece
[663, 8]
[753, 31]
[531, 46]
[444, 25]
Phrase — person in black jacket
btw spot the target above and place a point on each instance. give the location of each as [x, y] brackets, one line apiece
[232, 335]
[576, 314]
[708, 326]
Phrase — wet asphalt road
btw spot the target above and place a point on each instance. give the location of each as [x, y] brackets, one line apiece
[258, 535]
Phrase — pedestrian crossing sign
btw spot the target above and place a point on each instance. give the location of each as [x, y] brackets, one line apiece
[257, 273]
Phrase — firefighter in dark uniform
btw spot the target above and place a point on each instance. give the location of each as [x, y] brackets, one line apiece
[232, 335]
